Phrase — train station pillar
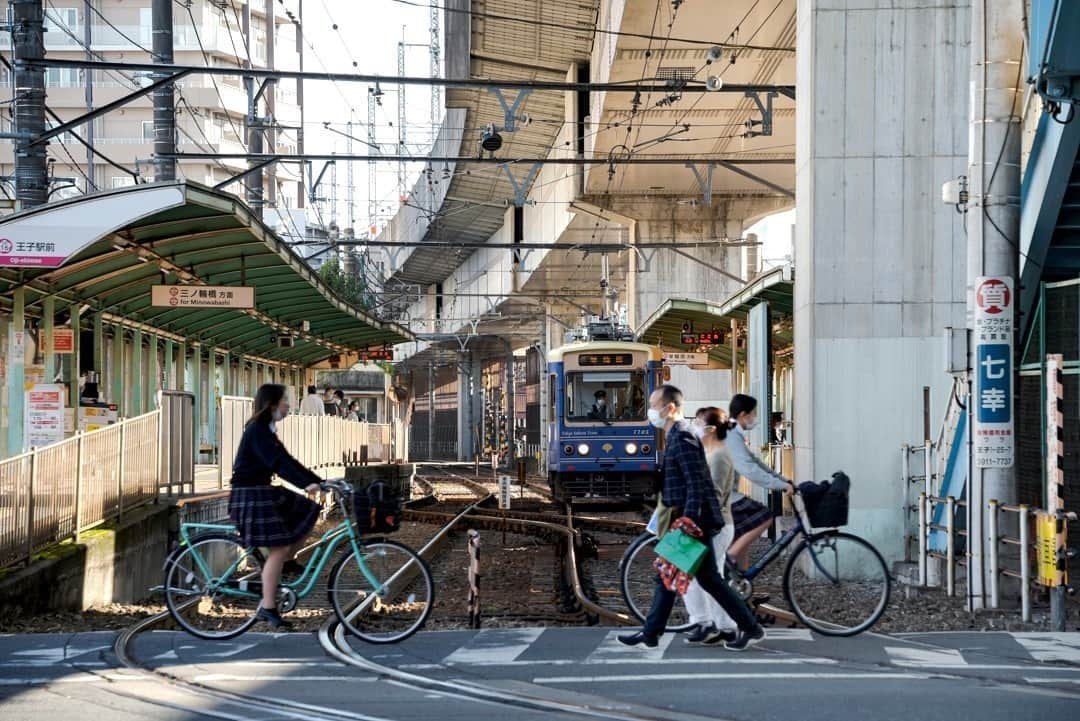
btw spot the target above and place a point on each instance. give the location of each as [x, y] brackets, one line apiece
[16, 366]
[466, 448]
[118, 370]
[881, 122]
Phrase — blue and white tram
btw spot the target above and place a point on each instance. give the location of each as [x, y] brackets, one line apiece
[600, 443]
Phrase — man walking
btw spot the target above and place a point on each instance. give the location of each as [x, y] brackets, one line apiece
[312, 405]
[688, 489]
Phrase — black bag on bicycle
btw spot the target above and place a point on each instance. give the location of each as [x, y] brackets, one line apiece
[830, 509]
[377, 508]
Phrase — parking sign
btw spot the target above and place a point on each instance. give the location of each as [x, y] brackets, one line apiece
[992, 421]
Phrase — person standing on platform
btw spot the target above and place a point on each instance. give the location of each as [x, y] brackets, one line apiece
[341, 403]
[312, 405]
[265, 515]
[689, 491]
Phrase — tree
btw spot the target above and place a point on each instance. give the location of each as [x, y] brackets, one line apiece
[350, 288]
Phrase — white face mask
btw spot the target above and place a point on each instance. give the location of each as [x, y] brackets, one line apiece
[750, 426]
[601, 403]
[698, 431]
[277, 415]
[655, 418]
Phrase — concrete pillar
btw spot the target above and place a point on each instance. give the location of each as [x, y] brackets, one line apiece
[464, 408]
[76, 355]
[200, 396]
[227, 375]
[170, 364]
[16, 366]
[211, 394]
[116, 370]
[99, 344]
[879, 125]
[48, 315]
[137, 371]
[153, 373]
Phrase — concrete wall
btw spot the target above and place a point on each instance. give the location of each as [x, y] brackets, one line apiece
[881, 117]
[107, 566]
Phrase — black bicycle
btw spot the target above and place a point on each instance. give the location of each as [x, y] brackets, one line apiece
[836, 583]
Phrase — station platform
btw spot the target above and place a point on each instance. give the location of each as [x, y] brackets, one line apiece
[928, 676]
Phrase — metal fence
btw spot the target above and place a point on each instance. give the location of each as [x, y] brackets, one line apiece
[53, 493]
[318, 442]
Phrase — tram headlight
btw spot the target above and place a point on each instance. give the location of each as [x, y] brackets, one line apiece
[583, 449]
[631, 449]
[568, 450]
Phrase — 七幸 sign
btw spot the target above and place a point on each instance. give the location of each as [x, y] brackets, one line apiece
[202, 296]
[993, 441]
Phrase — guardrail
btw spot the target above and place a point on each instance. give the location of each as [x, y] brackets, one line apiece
[319, 442]
[1016, 565]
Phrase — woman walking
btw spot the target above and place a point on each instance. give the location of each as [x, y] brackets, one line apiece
[268, 516]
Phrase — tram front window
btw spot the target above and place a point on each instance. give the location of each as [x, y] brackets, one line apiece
[605, 396]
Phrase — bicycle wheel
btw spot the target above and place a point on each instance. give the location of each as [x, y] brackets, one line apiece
[837, 584]
[637, 576]
[395, 609]
[217, 599]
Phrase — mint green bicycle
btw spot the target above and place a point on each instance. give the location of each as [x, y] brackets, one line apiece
[381, 591]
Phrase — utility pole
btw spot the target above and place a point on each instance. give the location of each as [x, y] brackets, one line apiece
[993, 221]
[31, 166]
[271, 103]
[373, 97]
[300, 191]
[161, 14]
[254, 181]
[402, 191]
[435, 44]
[88, 132]
[350, 197]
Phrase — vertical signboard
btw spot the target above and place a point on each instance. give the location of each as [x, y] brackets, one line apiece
[757, 371]
[504, 492]
[44, 415]
[993, 440]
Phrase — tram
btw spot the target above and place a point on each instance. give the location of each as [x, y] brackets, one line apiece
[600, 442]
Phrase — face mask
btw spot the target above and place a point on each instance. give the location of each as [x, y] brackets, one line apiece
[698, 431]
[655, 418]
[277, 415]
[750, 426]
[601, 403]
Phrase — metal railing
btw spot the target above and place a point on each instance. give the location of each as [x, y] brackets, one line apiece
[56, 492]
[318, 442]
[1015, 563]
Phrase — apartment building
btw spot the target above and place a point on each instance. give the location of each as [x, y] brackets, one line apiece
[210, 111]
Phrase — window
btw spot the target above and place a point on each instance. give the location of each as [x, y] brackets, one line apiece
[622, 393]
[122, 181]
[60, 25]
[551, 398]
[146, 27]
[148, 130]
[63, 77]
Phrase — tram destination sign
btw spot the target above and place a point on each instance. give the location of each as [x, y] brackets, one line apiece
[711, 337]
[379, 354]
[202, 296]
[606, 359]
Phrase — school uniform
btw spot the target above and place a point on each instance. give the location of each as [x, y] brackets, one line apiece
[267, 515]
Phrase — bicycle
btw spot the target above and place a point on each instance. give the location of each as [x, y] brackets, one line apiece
[381, 591]
[836, 583]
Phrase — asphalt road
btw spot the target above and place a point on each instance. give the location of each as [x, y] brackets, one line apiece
[947, 676]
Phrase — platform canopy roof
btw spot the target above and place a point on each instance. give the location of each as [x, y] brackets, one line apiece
[115, 246]
[776, 286]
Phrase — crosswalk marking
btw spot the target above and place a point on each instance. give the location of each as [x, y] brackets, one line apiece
[611, 650]
[924, 657]
[1051, 646]
[494, 646]
[788, 634]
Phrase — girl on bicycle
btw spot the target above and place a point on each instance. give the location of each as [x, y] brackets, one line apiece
[751, 518]
[713, 623]
[270, 516]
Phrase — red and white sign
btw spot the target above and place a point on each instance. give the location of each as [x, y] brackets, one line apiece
[44, 422]
[993, 296]
[50, 235]
[993, 432]
[63, 340]
[202, 296]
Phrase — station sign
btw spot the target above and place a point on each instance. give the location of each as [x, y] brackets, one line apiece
[63, 340]
[202, 296]
[711, 337]
[685, 359]
[380, 354]
[44, 415]
[992, 423]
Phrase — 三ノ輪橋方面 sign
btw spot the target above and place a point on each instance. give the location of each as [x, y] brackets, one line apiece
[202, 296]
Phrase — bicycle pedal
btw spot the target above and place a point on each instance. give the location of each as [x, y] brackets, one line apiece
[759, 599]
[766, 619]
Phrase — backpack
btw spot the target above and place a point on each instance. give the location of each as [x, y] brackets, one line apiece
[377, 508]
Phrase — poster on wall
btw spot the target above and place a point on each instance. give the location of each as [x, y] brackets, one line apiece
[44, 421]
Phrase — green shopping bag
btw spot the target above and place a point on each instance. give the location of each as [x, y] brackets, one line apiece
[682, 551]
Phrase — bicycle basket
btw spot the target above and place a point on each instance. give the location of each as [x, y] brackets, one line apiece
[377, 508]
[830, 509]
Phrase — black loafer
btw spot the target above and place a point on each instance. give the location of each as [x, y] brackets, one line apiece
[699, 633]
[745, 639]
[636, 639]
[273, 618]
[717, 637]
